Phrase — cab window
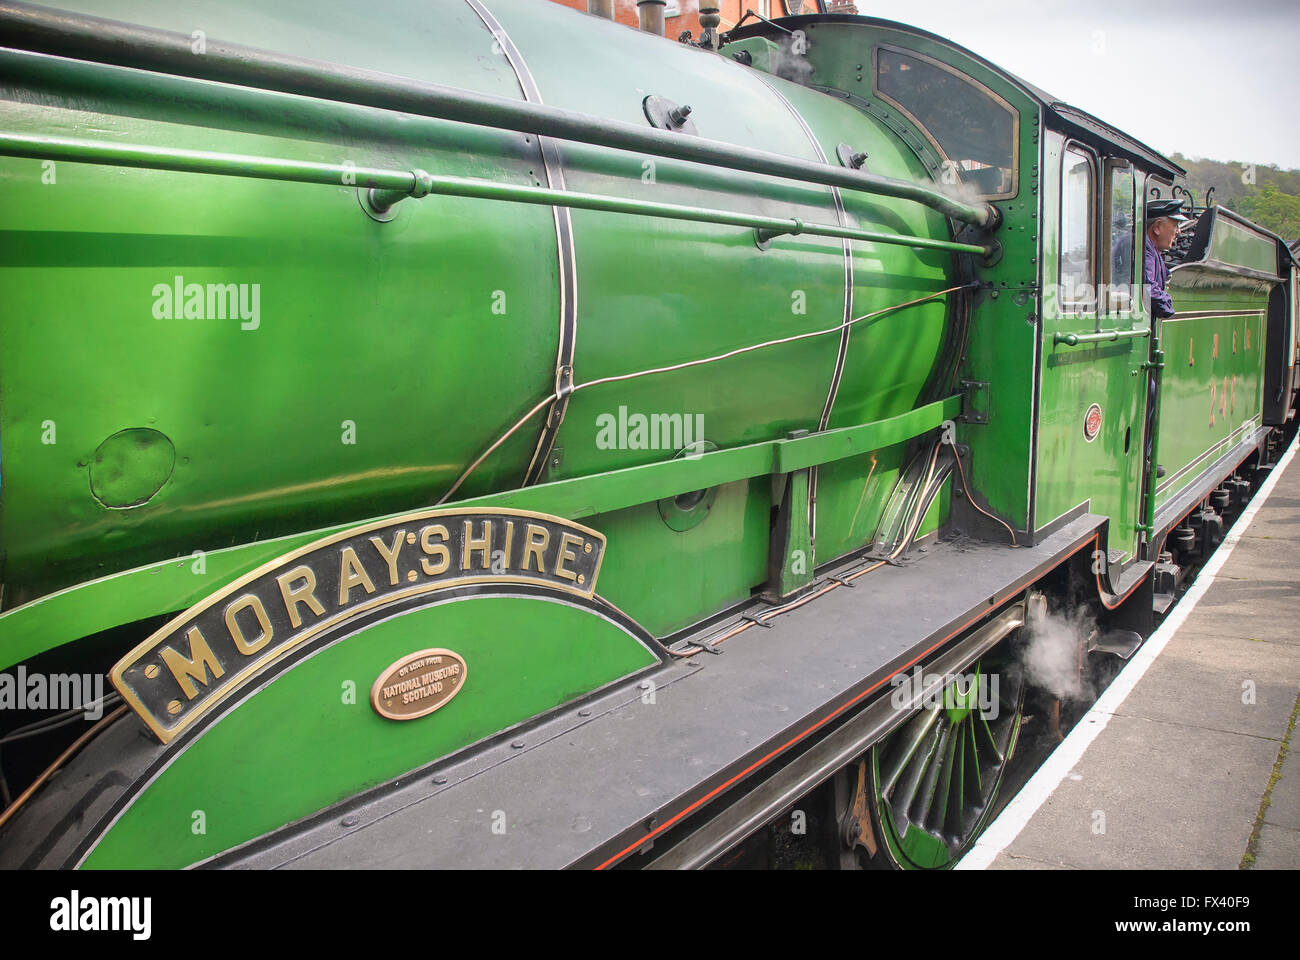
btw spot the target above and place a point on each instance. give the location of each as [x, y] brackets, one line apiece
[973, 128]
[1121, 237]
[1077, 291]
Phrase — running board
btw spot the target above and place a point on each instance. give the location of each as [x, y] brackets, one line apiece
[838, 750]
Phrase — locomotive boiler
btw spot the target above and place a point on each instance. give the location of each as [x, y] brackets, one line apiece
[480, 422]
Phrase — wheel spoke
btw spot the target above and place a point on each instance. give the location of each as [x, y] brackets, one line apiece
[910, 783]
[974, 782]
[910, 737]
[935, 778]
[930, 785]
[988, 743]
[957, 802]
[939, 816]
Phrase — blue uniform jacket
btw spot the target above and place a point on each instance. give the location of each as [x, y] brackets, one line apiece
[1155, 275]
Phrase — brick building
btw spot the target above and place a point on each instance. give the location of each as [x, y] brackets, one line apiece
[683, 15]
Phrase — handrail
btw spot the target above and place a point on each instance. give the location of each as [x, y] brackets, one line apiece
[417, 183]
[1103, 336]
[96, 39]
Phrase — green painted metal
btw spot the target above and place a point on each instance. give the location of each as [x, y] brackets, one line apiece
[1212, 386]
[419, 184]
[792, 562]
[1239, 245]
[1002, 345]
[1151, 469]
[310, 737]
[662, 577]
[97, 39]
[385, 357]
[1104, 336]
[198, 161]
[344, 290]
[175, 584]
[831, 445]
[1079, 370]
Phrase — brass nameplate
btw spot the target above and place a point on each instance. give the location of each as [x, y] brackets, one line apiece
[418, 684]
[199, 658]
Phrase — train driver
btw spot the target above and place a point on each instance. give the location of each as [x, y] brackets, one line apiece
[1164, 218]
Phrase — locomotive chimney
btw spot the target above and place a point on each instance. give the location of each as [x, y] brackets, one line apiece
[601, 8]
[651, 15]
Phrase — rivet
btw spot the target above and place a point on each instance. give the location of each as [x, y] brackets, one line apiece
[517, 745]
[584, 712]
[351, 821]
[439, 781]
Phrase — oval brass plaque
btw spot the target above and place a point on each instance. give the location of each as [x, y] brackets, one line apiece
[418, 684]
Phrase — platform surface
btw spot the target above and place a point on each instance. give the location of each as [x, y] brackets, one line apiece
[1176, 772]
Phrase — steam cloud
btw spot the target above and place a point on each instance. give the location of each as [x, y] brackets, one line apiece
[789, 65]
[1052, 657]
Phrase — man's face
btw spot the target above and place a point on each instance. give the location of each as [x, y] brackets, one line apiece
[1163, 232]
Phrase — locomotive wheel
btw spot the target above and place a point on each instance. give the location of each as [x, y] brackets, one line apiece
[933, 781]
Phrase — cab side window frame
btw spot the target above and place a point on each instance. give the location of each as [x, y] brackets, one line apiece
[952, 165]
[1083, 281]
[1117, 292]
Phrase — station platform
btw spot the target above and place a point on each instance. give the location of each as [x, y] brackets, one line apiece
[1182, 762]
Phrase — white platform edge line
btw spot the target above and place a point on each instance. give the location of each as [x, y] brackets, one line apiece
[1063, 759]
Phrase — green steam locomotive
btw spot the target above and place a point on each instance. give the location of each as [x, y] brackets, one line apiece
[473, 433]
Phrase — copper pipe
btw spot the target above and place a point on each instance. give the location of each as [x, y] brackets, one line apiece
[62, 758]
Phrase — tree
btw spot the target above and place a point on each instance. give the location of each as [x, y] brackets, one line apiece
[1273, 210]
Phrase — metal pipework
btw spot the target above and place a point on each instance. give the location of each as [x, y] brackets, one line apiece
[1104, 336]
[195, 161]
[601, 8]
[386, 187]
[99, 40]
[1157, 367]
[765, 228]
[650, 13]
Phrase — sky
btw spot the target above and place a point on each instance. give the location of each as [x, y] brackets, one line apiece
[1217, 79]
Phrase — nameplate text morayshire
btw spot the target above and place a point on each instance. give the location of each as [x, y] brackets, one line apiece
[198, 659]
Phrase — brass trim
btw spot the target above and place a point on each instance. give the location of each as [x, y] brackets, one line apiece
[1212, 315]
[237, 680]
[376, 689]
